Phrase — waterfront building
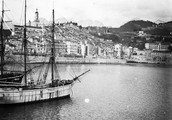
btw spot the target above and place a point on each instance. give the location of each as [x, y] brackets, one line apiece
[98, 51]
[68, 47]
[109, 52]
[15, 44]
[118, 50]
[151, 46]
[87, 49]
[60, 47]
[163, 46]
[148, 54]
[140, 52]
[158, 52]
[82, 49]
[139, 58]
[40, 47]
[157, 46]
[161, 56]
[125, 51]
[72, 47]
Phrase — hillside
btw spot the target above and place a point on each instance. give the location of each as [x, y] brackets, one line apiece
[162, 29]
[136, 25]
[167, 24]
[127, 34]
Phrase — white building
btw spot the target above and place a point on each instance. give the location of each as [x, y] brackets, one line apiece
[72, 47]
[82, 49]
[141, 34]
[118, 50]
[156, 46]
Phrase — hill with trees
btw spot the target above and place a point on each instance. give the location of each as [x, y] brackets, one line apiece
[127, 34]
[136, 25]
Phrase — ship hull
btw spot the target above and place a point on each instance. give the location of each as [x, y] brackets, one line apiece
[16, 96]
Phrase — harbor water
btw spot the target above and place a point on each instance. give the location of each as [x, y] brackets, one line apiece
[107, 92]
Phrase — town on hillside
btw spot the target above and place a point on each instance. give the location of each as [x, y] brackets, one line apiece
[74, 43]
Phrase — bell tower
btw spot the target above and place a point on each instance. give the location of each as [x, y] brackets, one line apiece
[36, 18]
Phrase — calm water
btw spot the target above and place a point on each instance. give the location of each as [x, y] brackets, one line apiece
[108, 92]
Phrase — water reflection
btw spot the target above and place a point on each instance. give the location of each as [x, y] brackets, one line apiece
[47, 110]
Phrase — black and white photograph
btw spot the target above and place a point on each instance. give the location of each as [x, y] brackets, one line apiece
[86, 60]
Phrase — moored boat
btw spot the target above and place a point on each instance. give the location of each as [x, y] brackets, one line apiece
[7, 76]
[31, 89]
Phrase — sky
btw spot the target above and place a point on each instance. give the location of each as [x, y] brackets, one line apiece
[111, 13]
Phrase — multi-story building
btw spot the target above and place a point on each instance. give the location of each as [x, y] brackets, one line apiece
[31, 30]
[40, 47]
[36, 44]
[118, 50]
[72, 47]
[157, 46]
[61, 48]
[161, 56]
[158, 52]
[151, 46]
[16, 45]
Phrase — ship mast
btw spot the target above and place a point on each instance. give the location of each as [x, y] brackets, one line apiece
[52, 51]
[2, 38]
[25, 46]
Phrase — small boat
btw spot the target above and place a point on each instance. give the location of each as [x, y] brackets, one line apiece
[21, 88]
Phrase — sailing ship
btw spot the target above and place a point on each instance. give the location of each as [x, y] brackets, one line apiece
[25, 89]
[7, 76]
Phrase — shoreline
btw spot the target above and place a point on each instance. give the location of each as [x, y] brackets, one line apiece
[71, 60]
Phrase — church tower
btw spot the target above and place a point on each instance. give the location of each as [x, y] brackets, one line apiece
[36, 18]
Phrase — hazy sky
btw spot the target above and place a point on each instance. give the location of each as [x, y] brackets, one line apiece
[109, 12]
